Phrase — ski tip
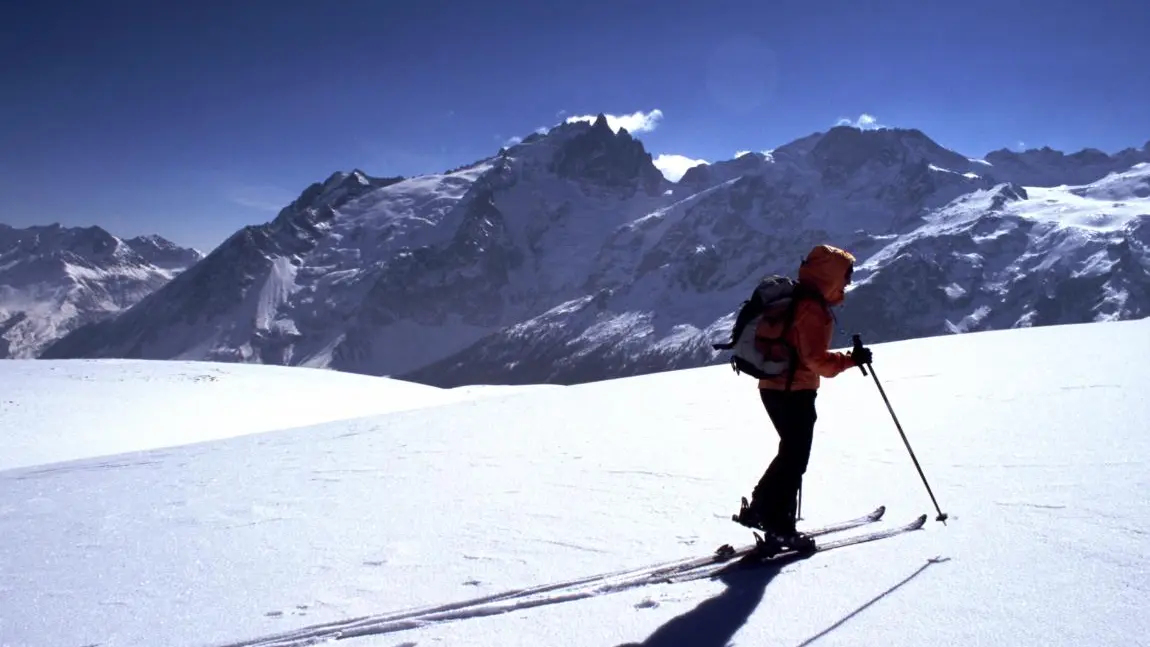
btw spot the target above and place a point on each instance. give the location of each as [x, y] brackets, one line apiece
[878, 512]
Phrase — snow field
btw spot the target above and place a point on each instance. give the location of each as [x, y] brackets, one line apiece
[1033, 440]
[59, 410]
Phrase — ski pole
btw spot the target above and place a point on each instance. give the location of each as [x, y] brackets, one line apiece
[942, 516]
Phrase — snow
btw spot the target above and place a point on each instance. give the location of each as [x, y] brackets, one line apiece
[60, 410]
[1107, 205]
[275, 292]
[967, 175]
[1033, 440]
[1061, 206]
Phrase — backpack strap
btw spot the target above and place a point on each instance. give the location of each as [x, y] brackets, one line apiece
[800, 293]
[792, 307]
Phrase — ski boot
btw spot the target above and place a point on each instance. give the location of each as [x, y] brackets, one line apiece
[775, 541]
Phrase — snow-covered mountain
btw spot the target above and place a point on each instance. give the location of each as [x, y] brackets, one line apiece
[1014, 256]
[163, 253]
[54, 279]
[386, 275]
[568, 257]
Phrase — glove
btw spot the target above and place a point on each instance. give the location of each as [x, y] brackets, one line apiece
[861, 355]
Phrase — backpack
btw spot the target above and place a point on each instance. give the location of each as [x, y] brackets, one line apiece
[758, 338]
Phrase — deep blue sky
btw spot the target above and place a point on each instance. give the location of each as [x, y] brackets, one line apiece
[194, 120]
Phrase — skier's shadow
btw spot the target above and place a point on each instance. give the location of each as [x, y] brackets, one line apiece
[714, 622]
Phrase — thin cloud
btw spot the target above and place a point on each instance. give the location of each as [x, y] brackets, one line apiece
[674, 166]
[261, 197]
[380, 154]
[636, 122]
[864, 122]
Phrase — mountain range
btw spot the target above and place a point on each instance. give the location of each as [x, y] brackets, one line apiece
[568, 257]
[55, 279]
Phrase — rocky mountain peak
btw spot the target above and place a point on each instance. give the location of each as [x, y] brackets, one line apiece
[601, 156]
[844, 150]
[163, 253]
[338, 189]
[702, 176]
[1009, 192]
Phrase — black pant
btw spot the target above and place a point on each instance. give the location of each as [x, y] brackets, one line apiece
[793, 414]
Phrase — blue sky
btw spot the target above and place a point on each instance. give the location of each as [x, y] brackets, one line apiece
[193, 119]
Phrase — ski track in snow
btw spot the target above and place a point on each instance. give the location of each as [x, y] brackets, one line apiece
[688, 569]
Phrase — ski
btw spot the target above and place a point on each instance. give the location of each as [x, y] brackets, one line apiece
[750, 558]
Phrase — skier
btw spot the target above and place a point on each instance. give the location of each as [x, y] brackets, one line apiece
[823, 277]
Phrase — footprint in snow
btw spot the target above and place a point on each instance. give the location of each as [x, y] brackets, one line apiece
[300, 610]
[647, 604]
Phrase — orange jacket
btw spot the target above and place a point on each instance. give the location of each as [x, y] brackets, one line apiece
[827, 270]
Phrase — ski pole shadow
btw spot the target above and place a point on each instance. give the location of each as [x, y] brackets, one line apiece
[714, 622]
[822, 634]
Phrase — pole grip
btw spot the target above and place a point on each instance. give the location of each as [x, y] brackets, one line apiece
[857, 339]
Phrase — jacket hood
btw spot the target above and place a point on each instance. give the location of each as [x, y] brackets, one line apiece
[826, 269]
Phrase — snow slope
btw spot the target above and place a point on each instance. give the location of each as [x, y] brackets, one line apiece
[1034, 442]
[59, 410]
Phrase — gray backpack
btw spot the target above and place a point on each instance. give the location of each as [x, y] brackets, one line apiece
[758, 339]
